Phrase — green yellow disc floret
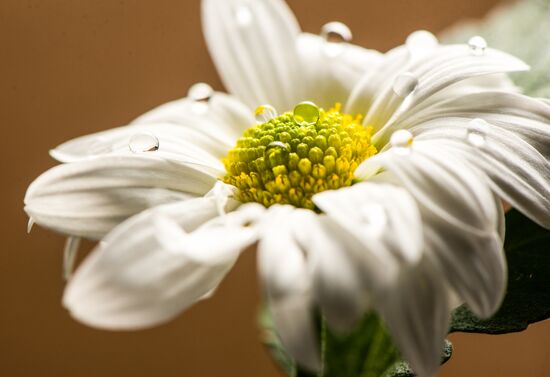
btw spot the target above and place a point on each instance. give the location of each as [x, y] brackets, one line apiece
[284, 162]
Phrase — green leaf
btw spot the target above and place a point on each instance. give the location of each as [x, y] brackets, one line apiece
[402, 369]
[527, 298]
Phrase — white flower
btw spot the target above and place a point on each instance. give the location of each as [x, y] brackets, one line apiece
[421, 232]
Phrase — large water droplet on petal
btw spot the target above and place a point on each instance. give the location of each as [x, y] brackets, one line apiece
[243, 15]
[421, 43]
[265, 113]
[200, 94]
[405, 84]
[401, 141]
[478, 45]
[335, 34]
[306, 114]
[477, 132]
[142, 142]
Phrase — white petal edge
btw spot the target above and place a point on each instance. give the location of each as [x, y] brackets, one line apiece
[252, 43]
[286, 275]
[223, 117]
[90, 197]
[131, 281]
[455, 203]
[330, 77]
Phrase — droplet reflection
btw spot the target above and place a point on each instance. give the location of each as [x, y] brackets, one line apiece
[306, 114]
[265, 113]
[478, 45]
[142, 142]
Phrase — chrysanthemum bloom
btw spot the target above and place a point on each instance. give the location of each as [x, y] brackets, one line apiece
[376, 184]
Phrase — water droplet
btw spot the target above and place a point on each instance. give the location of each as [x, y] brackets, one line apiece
[306, 114]
[401, 141]
[421, 43]
[374, 216]
[404, 84]
[478, 45]
[200, 95]
[243, 15]
[335, 34]
[142, 142]
[277, 145]
[477, 132]
[70, 253]
[30, 224]
[265, 113]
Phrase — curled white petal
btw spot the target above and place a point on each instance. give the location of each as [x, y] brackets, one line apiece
[286, 277]
[132, 281]
[252, 43]
[88, 198]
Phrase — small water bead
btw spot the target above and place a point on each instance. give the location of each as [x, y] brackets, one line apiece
[402, 140]
[306, 114]
[404, 84]
[243, 15]
[265, 113]
[142, 142]
[335, 34]
[421, 43]
[200, 95]
[277, 145]
[478, 45]
[201, 92]
[477, 132]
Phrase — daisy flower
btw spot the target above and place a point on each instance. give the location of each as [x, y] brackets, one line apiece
[366, 181]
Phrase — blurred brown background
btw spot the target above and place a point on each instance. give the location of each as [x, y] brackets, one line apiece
[70, 67]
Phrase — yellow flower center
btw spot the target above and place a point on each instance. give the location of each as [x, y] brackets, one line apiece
[296, 155]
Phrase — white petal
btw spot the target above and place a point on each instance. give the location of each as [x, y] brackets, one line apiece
[223, 118]
[90, 197]
[338, 285]
[527, 117]
[461, 221]
[131, 281]
[448, 65]
[330, 78]
[416, 311]
[70, 252]
[517, 172]
[373, 213]
[446, 185]
[175, 142]
[474, 265]
[252, 43]
[214, 242]
[376, 80]
[286, 279]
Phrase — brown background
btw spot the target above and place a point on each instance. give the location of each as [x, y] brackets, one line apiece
[70, 67]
